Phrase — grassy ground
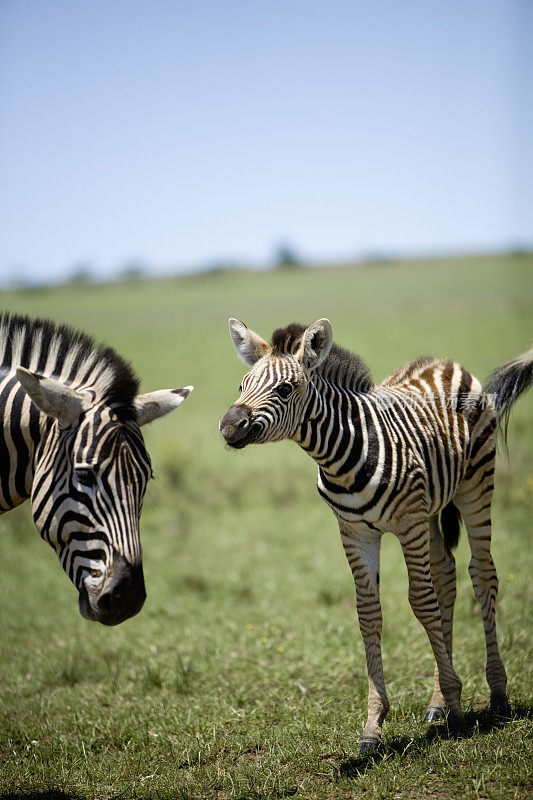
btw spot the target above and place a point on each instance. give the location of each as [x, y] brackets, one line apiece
[244, 675]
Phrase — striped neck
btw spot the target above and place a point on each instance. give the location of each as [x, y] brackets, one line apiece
[332, 425]
[24, 428]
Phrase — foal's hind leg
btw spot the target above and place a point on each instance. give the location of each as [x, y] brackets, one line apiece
[473, 501]
[443, 578]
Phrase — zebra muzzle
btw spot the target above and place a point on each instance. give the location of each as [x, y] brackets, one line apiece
[237, 428]
[120, 597]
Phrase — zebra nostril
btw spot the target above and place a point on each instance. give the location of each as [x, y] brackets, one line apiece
[243, 423]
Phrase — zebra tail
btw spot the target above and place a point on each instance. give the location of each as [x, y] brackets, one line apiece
[450, 523]
[507, 383]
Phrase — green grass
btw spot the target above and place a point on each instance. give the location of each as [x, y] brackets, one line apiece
[244, 675]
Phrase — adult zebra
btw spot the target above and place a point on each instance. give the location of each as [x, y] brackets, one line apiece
[392, 457]
[70, 438]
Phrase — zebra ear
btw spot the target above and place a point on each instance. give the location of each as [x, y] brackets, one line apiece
[52, 397]
[156, 404]
[316, 344]
[248, 344]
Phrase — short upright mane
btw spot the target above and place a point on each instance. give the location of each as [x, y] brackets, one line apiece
[60, 351]
[340, 367]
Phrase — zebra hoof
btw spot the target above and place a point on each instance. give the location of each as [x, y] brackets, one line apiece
[369, 743]
[434, 714]
[500, 707]
[455, 722]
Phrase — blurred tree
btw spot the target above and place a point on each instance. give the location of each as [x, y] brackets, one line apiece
[220, 267]
[286, 257]
[81, 274]
[132, 270]
[377, 257]
[519, 250]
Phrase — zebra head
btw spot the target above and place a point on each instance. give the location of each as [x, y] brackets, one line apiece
[277, 393]
[91, 468]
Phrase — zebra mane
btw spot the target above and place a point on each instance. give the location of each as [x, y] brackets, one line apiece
[340, 367]
[62, 352]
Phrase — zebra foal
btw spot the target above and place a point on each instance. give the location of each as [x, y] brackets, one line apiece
[397, 456]
[70, 438]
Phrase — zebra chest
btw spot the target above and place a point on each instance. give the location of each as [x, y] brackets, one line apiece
[364, 496]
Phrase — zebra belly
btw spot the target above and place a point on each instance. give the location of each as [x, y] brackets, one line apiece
[372, 506]
[386, 499]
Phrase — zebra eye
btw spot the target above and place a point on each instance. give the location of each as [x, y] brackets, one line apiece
[284, 390]
[240, 388]
[86, 476]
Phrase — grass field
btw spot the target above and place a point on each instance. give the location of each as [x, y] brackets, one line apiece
[244, 674]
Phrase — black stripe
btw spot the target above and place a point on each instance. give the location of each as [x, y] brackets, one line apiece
[22, 452]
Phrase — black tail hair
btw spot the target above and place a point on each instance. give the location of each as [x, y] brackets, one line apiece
[450, 523]
[507, 383]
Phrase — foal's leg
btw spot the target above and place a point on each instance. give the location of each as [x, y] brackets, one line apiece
[474, 505]
[423, 598]
[443, 576]
[362, 548]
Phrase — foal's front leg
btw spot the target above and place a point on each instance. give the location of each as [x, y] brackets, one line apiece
[423, 598]
[362, 547]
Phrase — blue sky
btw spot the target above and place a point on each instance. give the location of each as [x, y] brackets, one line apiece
[186, 133]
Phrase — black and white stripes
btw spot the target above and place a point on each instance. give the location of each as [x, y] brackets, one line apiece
[395, 456]
[70, 439]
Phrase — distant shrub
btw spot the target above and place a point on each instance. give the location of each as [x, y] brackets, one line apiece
[286, 257]
[132, 271]
[81, 274]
